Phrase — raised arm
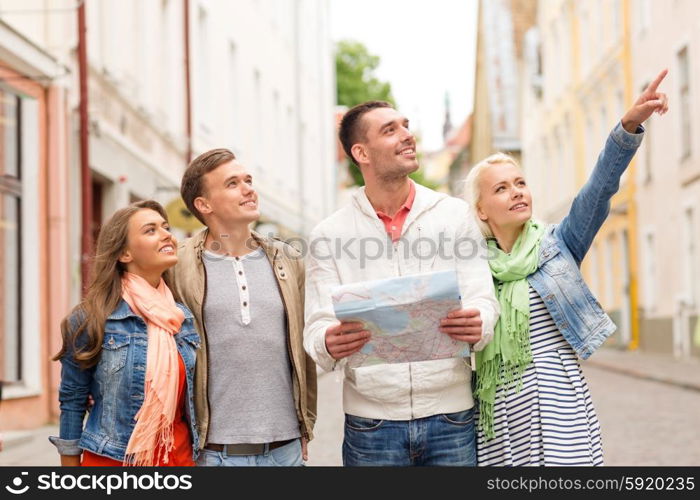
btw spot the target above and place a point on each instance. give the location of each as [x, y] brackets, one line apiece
[591, 206]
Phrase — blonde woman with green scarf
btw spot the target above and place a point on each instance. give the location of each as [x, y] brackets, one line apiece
[534, 404]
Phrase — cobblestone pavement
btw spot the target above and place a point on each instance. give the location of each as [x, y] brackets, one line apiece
[644, 422]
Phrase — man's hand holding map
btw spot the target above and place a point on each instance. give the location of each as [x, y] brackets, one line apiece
[403, 316]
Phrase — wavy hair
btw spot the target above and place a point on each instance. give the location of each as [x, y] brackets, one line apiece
[105, 290]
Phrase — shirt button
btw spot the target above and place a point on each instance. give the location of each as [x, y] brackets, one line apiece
[243, 287]
[245, 304]
[240, 272]
[238, 258]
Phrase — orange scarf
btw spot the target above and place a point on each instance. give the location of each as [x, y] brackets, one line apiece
[153, 433]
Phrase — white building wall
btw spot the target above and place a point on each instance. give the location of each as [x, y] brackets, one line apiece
[668, 180]
[264, 87]
[502, 74]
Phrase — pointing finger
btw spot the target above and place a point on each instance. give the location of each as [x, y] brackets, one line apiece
[655, 84]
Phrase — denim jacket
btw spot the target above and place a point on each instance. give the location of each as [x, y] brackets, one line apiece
[574, 309]
[116, 385]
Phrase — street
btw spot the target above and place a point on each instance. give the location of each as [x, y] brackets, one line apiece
[645, 422]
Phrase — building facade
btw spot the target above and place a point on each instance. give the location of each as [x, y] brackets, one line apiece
[498, 111]
[167, 80]
[667, 35]
[589, 61]
[579, 85]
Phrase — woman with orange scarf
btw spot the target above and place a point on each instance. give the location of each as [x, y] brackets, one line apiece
[130, 349]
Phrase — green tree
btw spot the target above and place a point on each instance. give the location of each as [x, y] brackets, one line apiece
[356, 83]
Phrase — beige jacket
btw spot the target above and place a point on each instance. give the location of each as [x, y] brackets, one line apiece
[190, 288]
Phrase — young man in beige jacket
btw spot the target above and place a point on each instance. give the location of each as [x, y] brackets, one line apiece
[255, 387]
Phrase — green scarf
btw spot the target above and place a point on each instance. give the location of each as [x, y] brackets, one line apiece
[505, 358]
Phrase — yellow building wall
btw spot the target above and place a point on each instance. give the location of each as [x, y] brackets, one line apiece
[587, 89]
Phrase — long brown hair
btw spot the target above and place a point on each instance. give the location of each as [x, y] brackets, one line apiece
[105, 289]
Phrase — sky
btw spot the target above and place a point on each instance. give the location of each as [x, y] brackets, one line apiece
[427, 48]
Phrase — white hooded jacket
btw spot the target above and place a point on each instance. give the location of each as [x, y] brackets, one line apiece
[439, 234]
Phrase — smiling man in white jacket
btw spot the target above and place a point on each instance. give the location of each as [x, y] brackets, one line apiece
[401, 414]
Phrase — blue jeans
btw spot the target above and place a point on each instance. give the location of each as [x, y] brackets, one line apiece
[288, 455]
[446, 439]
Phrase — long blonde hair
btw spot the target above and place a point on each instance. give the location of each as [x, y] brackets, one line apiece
[105, 289]
[472, 192]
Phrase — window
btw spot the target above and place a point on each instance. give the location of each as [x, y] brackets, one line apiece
[619, 104]
[547, 163]
[610, 271]
[10, 237]
[278, 120]
[644, 13]
[594, 270]
[560, 166]
[565, 63]
[604, 126]
[258, 117]
[203, 55]
[598, 37]
[556, 44]
[584, 33]
[616, 21]
[649, 278]
[646, 172]
[233, 93]
[690, 256]
[591, 146]
[166, 95]
[684, 105]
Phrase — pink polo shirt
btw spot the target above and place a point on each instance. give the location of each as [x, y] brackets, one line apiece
[394, 225]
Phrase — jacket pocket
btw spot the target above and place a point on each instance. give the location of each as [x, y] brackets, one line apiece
[387, 384]
[554, 263]
[192, 339]
[115, 348]
[188, 342]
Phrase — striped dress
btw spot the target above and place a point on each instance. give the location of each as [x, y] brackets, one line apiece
[551, 421]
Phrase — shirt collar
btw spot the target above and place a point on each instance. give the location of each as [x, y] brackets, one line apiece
[407, 205]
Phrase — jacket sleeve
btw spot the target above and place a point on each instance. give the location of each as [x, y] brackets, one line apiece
[175, 279]
[591, 206]
[321, 277]
[73, 394]
[475, 280]
[309, 364]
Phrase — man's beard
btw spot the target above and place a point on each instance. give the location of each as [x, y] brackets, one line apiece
[396, 174]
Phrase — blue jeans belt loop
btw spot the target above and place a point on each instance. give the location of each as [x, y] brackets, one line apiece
[243, 449]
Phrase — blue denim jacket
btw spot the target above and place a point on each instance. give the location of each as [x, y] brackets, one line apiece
[574, 309]
[116, 385]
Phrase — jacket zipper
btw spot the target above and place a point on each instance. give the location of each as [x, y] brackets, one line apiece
[289, 346]
[410, 365]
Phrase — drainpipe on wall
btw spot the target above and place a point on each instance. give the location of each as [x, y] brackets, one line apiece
[188, 84]
[85, 174]
[632, 220]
